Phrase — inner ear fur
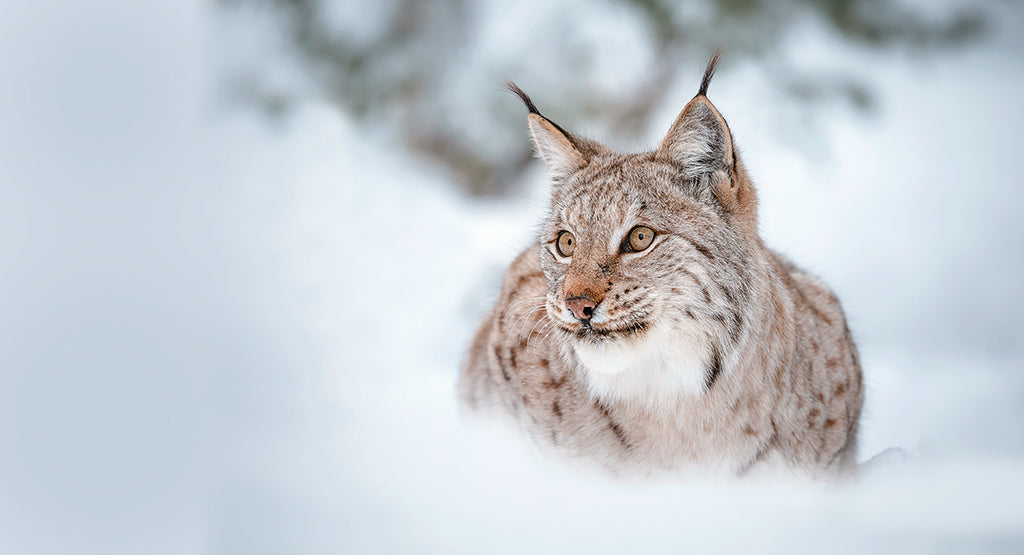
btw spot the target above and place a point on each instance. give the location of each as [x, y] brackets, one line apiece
[701, 145]
[555, 147]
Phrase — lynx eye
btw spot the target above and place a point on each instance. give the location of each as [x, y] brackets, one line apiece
[566, 243]
[640, 238]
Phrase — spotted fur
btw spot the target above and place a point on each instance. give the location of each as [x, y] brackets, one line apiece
[707, 350]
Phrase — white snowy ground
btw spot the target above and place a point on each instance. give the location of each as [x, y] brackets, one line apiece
[239, 339]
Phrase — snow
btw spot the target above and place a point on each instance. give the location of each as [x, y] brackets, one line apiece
[392, 453]
[221, 336]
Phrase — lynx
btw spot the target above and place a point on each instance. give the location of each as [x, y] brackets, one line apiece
[650, 329]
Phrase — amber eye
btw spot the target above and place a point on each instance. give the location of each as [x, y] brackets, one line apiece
[566, 243]
[640, 238]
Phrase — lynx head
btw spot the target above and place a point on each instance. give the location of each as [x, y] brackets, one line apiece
[646, 255]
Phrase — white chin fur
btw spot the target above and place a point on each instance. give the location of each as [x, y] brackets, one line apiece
[659, 366]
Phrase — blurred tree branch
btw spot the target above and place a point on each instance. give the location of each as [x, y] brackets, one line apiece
[399, 73]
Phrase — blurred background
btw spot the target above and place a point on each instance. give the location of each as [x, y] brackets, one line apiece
[243, 246]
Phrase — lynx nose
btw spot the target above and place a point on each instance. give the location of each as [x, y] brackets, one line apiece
[582, 307]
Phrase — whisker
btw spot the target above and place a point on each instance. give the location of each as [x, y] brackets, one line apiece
[528, 309]
[544, 327]
[521, 302]
[552, 330]
[535, 326]
[523, 318]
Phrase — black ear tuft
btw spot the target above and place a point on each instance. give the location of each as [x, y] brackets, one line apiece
[523, 96]
[708, 73]
[532, 108]
[699, 140]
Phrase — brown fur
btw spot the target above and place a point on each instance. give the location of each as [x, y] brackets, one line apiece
[742, 360]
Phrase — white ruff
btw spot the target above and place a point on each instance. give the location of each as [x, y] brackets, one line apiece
[656, 368]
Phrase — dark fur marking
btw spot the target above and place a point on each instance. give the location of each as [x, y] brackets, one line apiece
[715, 369]
[709, 72]
[504, 372]
[758, 457]
[555, 408]
[835, 456]
[854, 358]
[555, 383]
[613, 425]
[702, 249]
[761, 452]
[728, 295]
[551, 374]
[802, 297]
[737, 327]
[689, 274]
[522, 278]
[818, 313]
[524, 97]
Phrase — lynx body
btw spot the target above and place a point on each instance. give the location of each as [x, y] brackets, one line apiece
[651, 330]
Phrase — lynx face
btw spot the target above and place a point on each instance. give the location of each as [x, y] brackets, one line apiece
[645, 254]
[630, 251]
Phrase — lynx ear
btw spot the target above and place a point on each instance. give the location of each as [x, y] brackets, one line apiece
[699, 141]
[562, 152]
[554, 147]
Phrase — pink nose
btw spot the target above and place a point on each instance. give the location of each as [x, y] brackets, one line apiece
[582, 307]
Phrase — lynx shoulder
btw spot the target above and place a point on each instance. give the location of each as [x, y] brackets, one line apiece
[650, 329]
